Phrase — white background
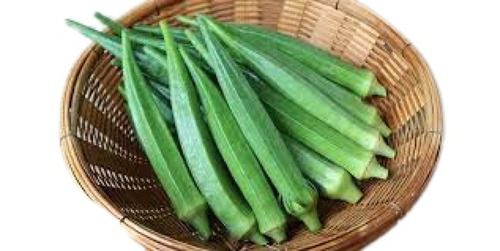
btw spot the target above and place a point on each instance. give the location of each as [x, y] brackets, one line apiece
[42, 208]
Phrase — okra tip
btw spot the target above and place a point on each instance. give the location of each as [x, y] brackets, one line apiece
[382, 127]
[257, 238]
[278, 234]
[311, 219]
[375, 170]
[186, 20]
[385, 150]
[204, 18]
[72, 23]
[350, 193]
[200, 222]
[377, 89]
[125, 37]
[99, 15]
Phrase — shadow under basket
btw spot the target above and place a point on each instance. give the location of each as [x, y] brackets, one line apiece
[101, 150]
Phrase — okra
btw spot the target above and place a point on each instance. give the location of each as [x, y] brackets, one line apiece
[160, 148]
[200, 152]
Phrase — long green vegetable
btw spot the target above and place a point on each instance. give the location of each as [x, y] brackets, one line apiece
[361, 81]
[200, 152]
[161, 149]
[296, 88]
[346, 99]
[333, 181]
[238, 155]
[296, 122]
[298, 197]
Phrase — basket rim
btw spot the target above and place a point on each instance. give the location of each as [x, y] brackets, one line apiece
[149, 238]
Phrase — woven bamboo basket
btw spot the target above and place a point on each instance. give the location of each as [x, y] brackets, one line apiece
[99, 146]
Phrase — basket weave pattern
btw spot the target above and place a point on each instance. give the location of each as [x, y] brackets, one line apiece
[99, 145]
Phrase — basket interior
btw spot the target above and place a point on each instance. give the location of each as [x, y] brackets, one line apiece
[104, 155]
